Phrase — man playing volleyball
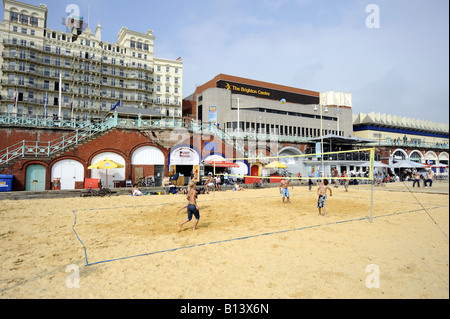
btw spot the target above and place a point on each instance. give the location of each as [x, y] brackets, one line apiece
[192, 208]
[322, 192]
[284, 191]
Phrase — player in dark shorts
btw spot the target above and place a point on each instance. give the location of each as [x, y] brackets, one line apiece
[192, 208]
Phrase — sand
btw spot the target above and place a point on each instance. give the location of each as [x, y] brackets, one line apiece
[248, 245]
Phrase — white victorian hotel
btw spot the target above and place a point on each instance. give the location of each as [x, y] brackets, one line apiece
[44, 72]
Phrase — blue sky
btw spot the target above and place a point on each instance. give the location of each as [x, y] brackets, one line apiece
[400, 68]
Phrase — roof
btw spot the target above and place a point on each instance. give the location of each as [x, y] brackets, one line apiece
[376, 119]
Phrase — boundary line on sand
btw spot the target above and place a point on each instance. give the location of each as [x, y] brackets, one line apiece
[232, 239]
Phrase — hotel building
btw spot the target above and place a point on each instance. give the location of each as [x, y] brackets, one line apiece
[47, 72]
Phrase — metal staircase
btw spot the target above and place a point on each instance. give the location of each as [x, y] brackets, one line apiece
[37, 149]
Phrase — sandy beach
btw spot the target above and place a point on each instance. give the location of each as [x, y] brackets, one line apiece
[248, 245]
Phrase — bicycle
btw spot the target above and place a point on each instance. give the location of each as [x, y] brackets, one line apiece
[102, 192]
[146, 182]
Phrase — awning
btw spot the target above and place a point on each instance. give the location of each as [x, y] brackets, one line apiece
[222, 164]
[408, 164]
[375, 164]
[336, 139]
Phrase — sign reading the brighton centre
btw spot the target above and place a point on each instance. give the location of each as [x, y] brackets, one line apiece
[267, 93]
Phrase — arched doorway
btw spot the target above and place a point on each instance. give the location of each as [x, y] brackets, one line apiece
[69, 171]
[108, 176]
[35, 177]
[416, 156]
[148, 161]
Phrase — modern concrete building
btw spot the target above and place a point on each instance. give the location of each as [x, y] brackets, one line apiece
[267, 108]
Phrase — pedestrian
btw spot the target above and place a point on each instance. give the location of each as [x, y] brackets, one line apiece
[310, 183]
[345, 179]
[430, 178]
[416, 179]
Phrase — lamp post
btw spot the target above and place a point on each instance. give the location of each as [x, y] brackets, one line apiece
[321, 133]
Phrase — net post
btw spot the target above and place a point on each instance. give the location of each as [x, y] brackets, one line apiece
[372, 158]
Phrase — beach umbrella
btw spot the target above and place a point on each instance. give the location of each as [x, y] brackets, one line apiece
[106, 164]
[276, 164]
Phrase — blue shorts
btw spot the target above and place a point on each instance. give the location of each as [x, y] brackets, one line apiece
[191, 209]
[284, 192]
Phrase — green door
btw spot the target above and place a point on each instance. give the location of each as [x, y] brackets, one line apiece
[35, 178]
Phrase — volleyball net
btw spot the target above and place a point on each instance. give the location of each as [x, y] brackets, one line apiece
[358, 164]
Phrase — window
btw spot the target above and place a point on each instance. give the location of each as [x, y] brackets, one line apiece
[14, 16]
[24, 30]
[132, 44]
[15, 29]
[32, 32]
[24, 18]
[34, 21]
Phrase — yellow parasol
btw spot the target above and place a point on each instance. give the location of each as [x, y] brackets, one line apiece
[106, 164]
[276, 164]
